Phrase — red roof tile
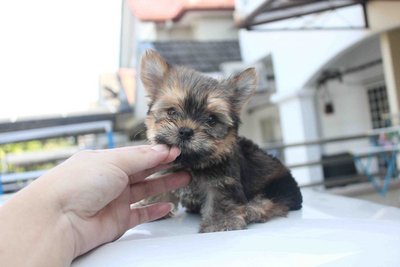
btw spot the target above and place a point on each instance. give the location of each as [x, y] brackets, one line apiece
[163, 10]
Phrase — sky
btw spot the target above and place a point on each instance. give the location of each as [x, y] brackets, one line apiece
[52, 53]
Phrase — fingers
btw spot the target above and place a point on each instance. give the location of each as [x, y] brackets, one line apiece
[146, 173]
[149, 213]
[136, 159]
[173, 154]
[157, 186]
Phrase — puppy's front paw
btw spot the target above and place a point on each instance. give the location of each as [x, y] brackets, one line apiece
[223, 224]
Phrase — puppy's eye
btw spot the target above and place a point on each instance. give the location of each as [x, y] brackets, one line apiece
[212, 120]
[172, 112]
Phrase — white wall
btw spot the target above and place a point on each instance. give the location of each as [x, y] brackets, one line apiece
[351, 116]
[383, 15]
[215, 28]
[296, 55]
[194, 25]
[350, 99]
[245, 7]
[251, 123]
[174, 33]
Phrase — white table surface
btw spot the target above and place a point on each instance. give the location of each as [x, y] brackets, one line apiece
[328, 231]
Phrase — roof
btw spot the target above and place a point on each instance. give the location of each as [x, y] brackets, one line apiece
[164, 10]
[7, 126]
[200, 55]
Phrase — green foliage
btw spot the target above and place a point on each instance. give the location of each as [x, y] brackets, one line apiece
[31, 146]
[36, 145]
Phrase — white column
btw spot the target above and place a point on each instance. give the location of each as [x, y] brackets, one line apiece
[299, 123]
[390, 46]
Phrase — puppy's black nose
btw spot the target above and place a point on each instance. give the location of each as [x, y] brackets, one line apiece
[185, 133]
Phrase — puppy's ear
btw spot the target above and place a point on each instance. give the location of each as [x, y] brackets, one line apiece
[153, 69]
[244, 84]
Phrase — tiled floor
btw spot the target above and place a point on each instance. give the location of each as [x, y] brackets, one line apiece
[392, 198]
[367, 192]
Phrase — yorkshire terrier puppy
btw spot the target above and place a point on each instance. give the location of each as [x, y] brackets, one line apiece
[234, 182]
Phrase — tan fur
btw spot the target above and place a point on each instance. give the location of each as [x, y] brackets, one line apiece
[261, 210]
[218, 105]
[188, 123]
[223, 147]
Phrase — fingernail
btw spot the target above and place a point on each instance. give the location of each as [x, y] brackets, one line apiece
[160, 148]
[172, 206]
[176, 150]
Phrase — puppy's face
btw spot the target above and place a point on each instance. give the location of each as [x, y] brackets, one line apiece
[197, 113]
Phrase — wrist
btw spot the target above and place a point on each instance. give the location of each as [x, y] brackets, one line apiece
[59, 229]
[34, 227]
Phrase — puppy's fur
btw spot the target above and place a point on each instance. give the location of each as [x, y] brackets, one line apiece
[234, 182]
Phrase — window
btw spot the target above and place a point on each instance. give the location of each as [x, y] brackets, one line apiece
[379, 106]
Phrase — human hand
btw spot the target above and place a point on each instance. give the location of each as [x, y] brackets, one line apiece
[83, 203]
[96, 188]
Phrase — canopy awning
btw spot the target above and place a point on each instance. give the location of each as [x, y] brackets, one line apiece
[278, 10]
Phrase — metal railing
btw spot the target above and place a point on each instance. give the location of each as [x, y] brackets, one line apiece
[374, 150]
[47, 133]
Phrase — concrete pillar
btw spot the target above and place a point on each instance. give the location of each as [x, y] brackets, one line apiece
[299, 122]
[390, 46]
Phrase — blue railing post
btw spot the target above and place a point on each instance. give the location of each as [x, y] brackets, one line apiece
[1, 186]
[110, 138]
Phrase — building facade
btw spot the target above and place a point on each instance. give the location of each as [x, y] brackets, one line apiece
[336, 73]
